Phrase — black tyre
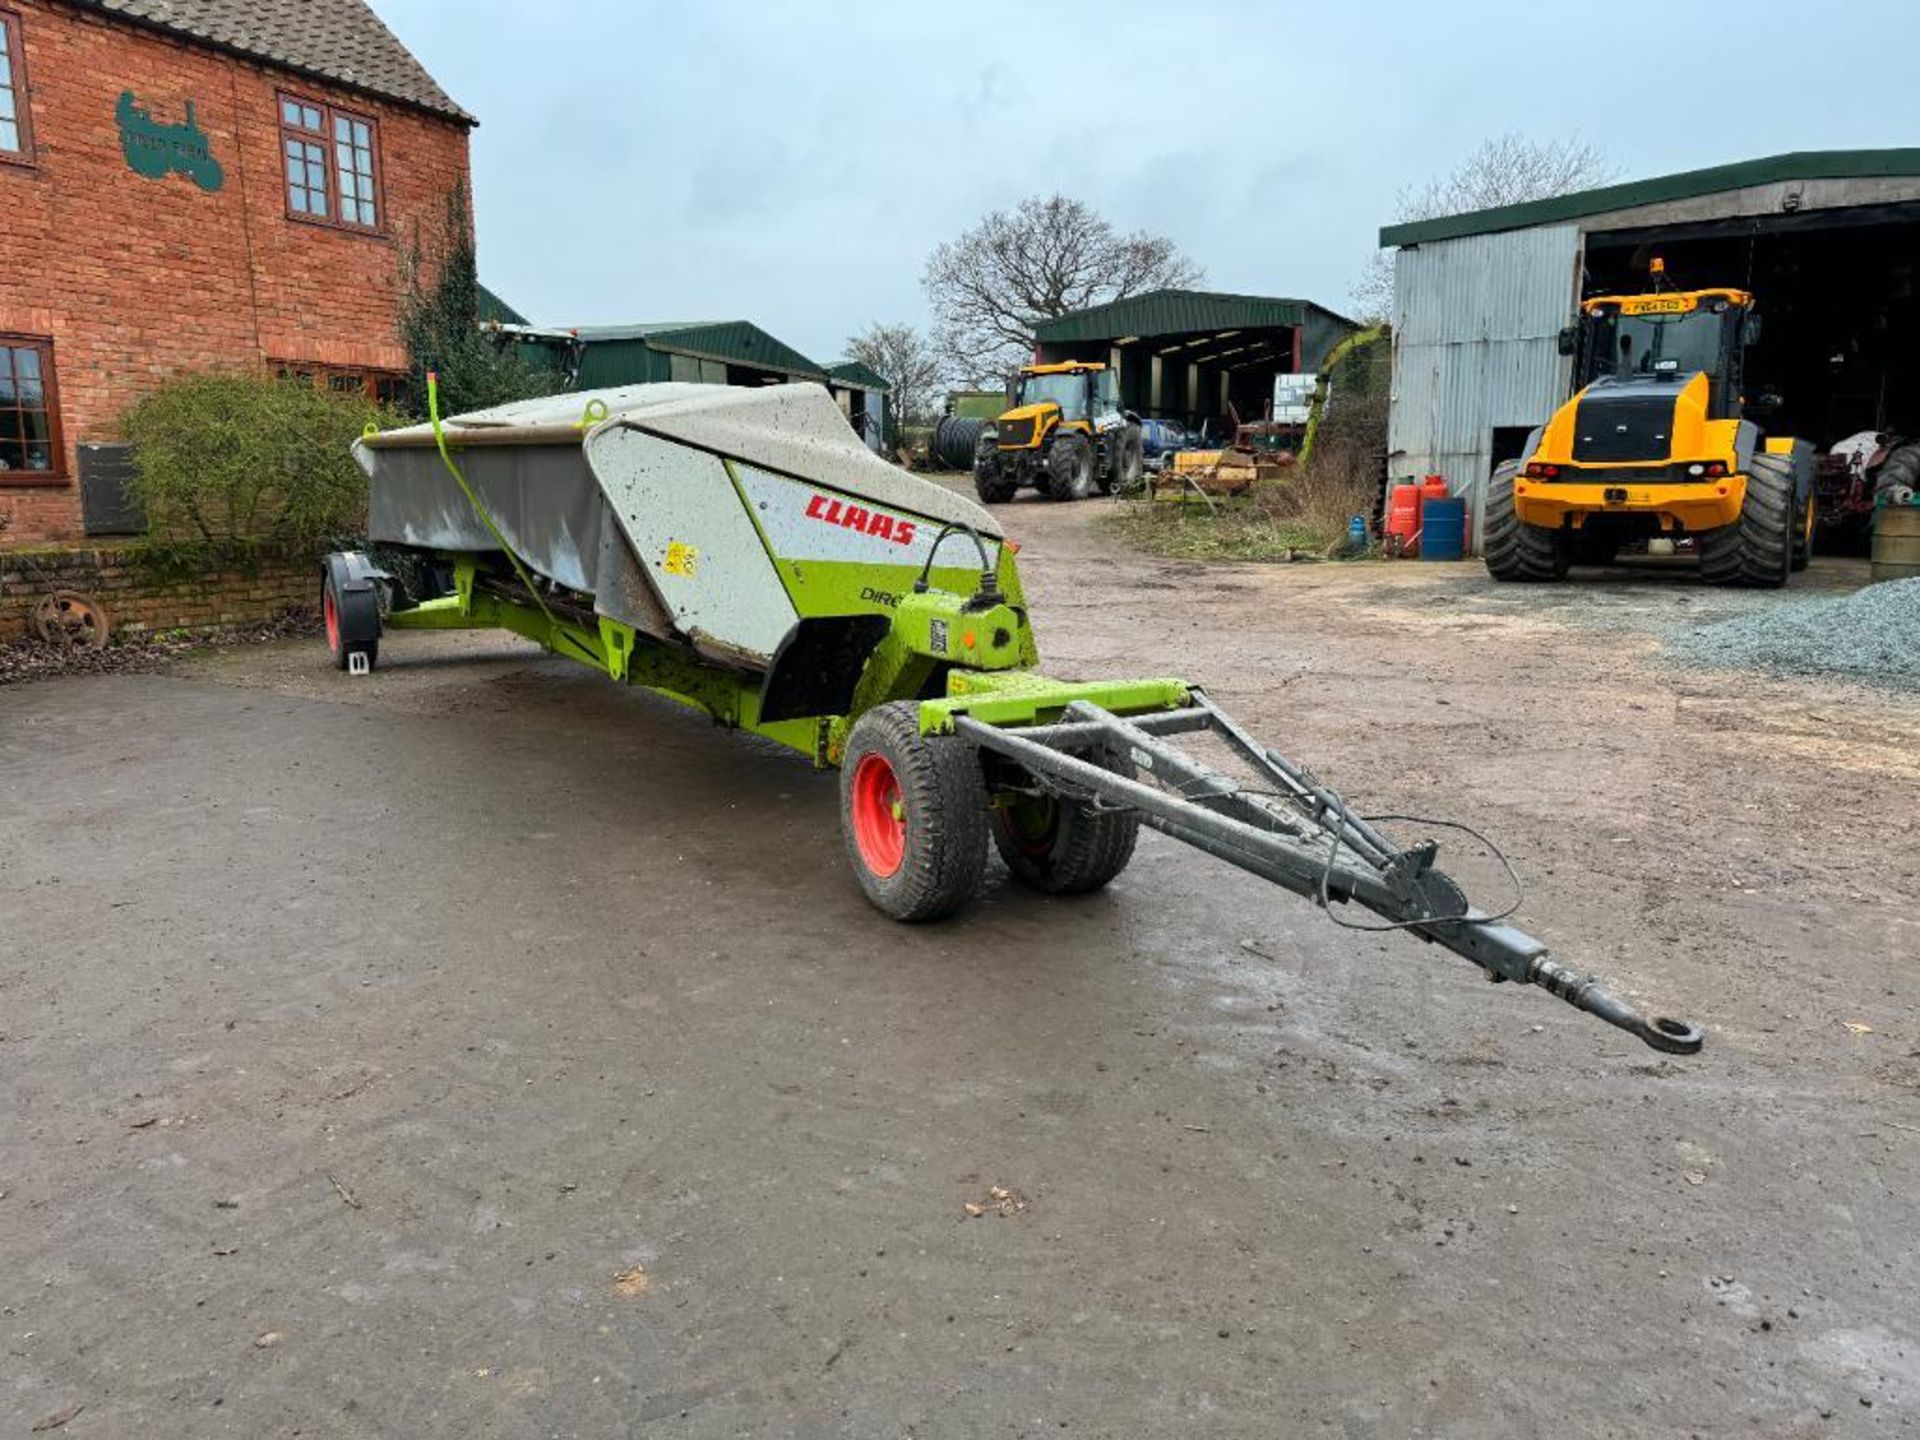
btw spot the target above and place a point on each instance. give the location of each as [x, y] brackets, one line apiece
[1129, 463]
[990, 479]
[1902, 467]
[913, 813]
[1070, 468]
[1065, 847]
[955, 440]
[1513, 549]
[1757, 549]
[1803, 529]
[340, 648]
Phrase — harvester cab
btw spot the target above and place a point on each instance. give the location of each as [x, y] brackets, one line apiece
[1656, 442]
[1063, 433]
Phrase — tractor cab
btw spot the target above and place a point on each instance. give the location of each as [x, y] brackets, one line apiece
[1063, 433]
[1080, 392]
[1663, 340]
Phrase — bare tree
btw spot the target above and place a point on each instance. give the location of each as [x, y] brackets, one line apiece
[901, 356]
[1043, 258]
[1506, 170]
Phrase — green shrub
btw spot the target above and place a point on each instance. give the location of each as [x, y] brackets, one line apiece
[224, 459]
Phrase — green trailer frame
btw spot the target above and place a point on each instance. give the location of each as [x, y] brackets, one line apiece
[898, 668]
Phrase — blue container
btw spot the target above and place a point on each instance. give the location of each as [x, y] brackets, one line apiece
[1443, 530]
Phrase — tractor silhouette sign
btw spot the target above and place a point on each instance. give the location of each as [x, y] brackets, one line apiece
[155, 149]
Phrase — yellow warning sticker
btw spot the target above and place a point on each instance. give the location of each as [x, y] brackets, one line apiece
[681, 559]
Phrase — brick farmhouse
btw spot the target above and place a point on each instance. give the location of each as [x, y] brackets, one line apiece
[194, 183]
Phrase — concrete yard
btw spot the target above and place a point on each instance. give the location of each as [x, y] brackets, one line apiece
[479, 1050]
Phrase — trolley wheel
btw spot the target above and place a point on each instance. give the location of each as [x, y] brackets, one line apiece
[913, 814]
[1066, 847]
[341, 649]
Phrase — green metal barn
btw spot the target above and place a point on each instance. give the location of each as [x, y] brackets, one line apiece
[1189, 354]
[711, 352]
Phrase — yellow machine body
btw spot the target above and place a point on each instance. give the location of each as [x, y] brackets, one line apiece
[1551, 492]
[1696, 503]
[1657, 440]
[1026, 427]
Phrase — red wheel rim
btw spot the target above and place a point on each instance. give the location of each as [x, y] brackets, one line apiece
[332, 617]
[879, 815]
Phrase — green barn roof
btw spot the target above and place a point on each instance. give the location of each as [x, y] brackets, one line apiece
[1685, 185]
[858, 372]
[1176, 312]
[495, 311]
[734, 342]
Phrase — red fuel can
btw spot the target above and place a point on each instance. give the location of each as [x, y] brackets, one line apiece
[1403, 518]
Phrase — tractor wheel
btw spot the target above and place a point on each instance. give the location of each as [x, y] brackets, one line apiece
[338, 646]
[913, 813]
[1129, 463]
[1803, 531]
[1066, 847]
[990, 479]
[1070, 469]
[1513, 549]
[1901, 468]
[1757, 549]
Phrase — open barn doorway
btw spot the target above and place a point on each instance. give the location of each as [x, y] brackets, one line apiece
[1838, 354]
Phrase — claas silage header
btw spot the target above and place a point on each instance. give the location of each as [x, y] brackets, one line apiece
[741, 552]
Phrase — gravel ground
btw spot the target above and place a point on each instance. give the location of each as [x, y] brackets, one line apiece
[1871, 636]
[480, 1049]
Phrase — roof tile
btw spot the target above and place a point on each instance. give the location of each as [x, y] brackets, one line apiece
[338, 40]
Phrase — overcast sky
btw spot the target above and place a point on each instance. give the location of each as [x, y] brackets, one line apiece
[793, 164]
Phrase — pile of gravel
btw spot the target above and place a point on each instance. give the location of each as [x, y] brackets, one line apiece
[1873, 635]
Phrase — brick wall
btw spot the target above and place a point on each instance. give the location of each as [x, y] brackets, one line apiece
[135, 279]
[138, 601]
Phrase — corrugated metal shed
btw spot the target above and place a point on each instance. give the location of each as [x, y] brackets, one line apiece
[1176, 312]
[862, 394]
[633, 354]
[1475, 328]
[1797, 165]
[855, 372]
[1479, 298]
[1194, 355]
